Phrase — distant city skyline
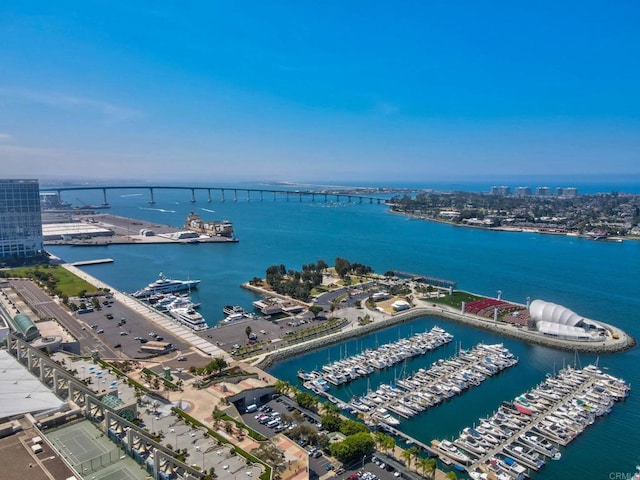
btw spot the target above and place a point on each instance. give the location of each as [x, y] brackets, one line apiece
[333, 92]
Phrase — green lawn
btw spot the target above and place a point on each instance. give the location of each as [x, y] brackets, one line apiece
[456, 299]
[56, 278]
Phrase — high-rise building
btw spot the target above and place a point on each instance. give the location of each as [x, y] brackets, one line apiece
[500, 190]
[20, 220]
[567, 192]
[543, 192]
[523, 191]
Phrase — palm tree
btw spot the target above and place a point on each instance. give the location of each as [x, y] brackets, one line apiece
[389, 444]
[219, 364]
[413, 452]
[380, 438]
[407, 457]
[452, 475]
[427, 465]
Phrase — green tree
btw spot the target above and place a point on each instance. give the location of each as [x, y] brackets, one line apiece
[342, 267]
[248, 330]
[331, 422]
[351, 427]
[218, 364]
[305, 399]
[353, 447]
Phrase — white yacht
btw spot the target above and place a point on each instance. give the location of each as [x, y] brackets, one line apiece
[188, 317]
[166, 285]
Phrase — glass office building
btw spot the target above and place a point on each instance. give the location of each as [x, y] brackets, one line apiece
[20, 220]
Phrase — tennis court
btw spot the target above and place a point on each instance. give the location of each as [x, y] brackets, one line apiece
[91, 452]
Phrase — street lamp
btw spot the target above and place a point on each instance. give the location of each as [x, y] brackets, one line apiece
[173, 430]
[200, 450]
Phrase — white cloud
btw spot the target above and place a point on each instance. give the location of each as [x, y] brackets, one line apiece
[109, 110]
[4, 137]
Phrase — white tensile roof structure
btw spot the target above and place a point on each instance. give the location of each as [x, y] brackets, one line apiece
[21, 392]
[556, 320]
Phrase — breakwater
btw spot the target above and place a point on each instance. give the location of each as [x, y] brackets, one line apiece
[624, 342]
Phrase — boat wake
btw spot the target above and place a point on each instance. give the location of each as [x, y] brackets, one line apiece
[131, 195]
[207, 210]
[158, 210]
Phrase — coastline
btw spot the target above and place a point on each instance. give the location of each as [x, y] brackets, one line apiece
[612, 239]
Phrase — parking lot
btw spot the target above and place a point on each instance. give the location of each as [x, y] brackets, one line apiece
[123, 329]
[281, 415]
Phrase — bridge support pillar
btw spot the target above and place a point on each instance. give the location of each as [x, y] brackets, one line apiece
[326, 199]
[222, 194]
[287, 196]
[104, 197]
[261, 199]
[274, 196]
[235, 195]
[208, 195]
[300, 196]
[248, 196]
[193, 195]
[151, 200]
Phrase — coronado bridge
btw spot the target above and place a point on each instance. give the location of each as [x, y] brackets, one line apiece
[231, 193]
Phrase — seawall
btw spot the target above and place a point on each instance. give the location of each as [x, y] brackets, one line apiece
[624, 342]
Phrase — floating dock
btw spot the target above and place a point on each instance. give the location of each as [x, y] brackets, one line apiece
[526, 432]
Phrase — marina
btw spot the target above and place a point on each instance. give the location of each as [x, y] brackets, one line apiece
[365, 363]
[523, 434]
[428, 388]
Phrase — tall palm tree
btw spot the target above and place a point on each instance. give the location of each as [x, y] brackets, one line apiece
[413, 451]
[390, 444]
[380, 439]
[428, 466]
[407, 457]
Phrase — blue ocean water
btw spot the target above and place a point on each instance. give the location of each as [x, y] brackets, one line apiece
[597, 280]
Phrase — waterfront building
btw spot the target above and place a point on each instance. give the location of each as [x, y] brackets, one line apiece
[566, 192]
[523, 191]
[543, 192]
[501, 190]
[558, 321]
[20, 219]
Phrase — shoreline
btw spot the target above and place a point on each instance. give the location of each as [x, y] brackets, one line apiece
[537, 231]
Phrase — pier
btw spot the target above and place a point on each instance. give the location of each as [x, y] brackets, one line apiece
[92, 262]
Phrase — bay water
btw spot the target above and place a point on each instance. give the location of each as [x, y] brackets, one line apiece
[596, 280]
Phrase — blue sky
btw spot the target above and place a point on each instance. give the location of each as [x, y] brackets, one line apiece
[319, 91]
